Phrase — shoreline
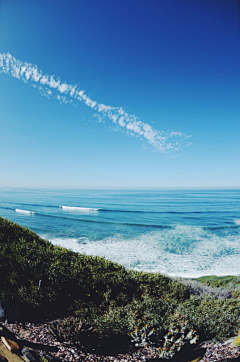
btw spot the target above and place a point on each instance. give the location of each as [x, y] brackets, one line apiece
[77, 248]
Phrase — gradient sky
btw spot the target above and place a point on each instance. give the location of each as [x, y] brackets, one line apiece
[129, 93]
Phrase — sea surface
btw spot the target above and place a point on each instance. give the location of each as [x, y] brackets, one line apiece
[177, 232]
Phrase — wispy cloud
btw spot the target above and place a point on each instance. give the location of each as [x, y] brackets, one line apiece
[50, 86]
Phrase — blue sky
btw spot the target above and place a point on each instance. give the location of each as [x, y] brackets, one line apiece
[112, 94]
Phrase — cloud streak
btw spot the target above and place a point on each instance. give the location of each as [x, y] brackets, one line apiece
[50, 86]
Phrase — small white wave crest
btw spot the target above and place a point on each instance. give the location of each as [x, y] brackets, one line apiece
[26, 212]
[85, 210]
[237, 221]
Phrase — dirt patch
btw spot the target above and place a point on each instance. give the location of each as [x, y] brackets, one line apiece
[11, 357]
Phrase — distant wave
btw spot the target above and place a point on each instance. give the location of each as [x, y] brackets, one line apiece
[162, 212]
[104, 222]
[26, 212]
[91, 209]
[7, 208]
[236, 226]
[137, 224]
[77, 208]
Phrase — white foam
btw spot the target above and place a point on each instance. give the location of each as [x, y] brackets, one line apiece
[183, 251]
[237, 221]
[79, 209]
[26, 212]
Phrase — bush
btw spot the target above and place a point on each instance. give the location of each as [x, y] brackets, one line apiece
[71, 330]
[219, 282]
[201, 289]
[179, 334]
[212, 318]
[72, 283]
[111, 300]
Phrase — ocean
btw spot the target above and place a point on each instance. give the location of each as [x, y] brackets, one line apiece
[187, 233]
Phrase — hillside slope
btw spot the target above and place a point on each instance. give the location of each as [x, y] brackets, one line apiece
[115, 300]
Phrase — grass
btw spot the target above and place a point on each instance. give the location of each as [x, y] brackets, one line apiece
[218, 282]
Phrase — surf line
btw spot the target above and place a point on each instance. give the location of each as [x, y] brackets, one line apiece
[78, 208]
[25, 212]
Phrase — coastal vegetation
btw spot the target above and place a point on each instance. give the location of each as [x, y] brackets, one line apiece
[87, 300]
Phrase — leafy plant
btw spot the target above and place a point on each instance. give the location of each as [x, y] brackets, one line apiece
[71, 330]
[179, 334]
[142, 337]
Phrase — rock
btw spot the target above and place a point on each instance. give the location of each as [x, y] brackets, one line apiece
[26, 353]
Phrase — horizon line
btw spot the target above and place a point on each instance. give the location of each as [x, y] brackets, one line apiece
[119, 188]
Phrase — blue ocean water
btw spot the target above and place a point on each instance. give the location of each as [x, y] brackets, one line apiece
[176, 232]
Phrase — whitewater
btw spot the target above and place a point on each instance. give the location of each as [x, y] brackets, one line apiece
[187, 233]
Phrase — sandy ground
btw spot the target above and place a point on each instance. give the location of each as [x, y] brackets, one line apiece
[11, 357]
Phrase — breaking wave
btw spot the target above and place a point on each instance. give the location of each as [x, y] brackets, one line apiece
[25, 212]
[79, 209]
[183, 251]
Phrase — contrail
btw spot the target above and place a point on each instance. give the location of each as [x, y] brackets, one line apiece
[50, 86]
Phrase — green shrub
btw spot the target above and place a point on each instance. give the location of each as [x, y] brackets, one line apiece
[212, 318]
[117, 302]
[43, 359]
[72, 283]
[179, 334]
[143, 321]
[223, 281]
[71, 330]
